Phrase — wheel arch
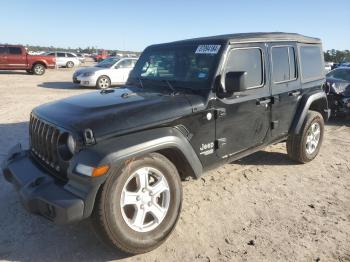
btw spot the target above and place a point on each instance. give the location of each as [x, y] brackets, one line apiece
[39, 62]
[316, 102]
[118, 151]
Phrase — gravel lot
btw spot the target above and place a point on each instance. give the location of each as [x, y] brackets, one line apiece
[261, 208]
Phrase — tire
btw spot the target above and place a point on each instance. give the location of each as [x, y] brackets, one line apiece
[38, 69]
[303, 147]
[70, 64]
[117, 225]
[103, 82]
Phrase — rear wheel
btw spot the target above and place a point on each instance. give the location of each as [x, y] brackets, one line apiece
[69, 64]
[38, 69]
[305, 146]
[103, 82]
[138, 206]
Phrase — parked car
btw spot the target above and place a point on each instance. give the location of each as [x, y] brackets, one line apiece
[101, 55]
[81, 58]
[65, 59]
[16, 57]
[109, 72]
[328, 66]
[338, 91]
[117, 155]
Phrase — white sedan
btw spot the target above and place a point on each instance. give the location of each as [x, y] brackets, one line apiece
[111, 71]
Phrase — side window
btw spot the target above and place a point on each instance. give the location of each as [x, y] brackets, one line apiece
[283, 64]
[51, 54]
[15, 50]
[61, 55]
[125, 64]
[247, 60]
[70, 55]
[311, 62]
[3, 50]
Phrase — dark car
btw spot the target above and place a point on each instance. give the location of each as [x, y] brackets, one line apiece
[338, 91]
[118, 155]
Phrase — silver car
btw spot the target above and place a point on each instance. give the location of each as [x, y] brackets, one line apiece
[65, 59]
[109, 72]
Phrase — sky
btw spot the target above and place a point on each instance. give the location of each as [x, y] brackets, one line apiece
[135, 24]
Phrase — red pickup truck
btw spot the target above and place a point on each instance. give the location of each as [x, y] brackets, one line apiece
[101, 55]
[16, 57]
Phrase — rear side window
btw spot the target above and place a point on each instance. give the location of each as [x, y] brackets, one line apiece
[247, 60]
[311, 62]
[3, 50]
[61, 55]
[283, 64]
[15, 50]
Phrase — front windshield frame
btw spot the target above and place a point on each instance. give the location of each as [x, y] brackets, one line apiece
[108, 62]
[203, 80]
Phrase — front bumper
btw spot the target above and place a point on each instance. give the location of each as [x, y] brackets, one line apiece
[40, 193]
[87, 81]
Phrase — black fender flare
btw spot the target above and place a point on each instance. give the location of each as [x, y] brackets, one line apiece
[305, 104]
[116, 151]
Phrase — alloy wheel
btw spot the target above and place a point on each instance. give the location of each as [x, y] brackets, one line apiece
[145, 199]
[313, 138]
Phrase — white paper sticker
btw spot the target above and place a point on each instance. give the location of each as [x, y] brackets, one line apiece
[208, 49]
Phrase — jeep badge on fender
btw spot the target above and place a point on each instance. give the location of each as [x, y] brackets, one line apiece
[116, 156]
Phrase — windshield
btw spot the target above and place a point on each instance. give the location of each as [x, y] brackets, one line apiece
[108, 62]
[188, 66]
[340, 74]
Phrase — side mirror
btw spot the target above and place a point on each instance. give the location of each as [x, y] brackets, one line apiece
[235, 82]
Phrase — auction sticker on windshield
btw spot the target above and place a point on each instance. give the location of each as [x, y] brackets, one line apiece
[208, 49]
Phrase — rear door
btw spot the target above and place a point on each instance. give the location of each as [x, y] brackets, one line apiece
[285, 87]
[243, 120]
[16, 58]
[3, 57]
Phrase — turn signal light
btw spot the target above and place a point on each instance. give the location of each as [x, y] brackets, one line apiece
[100, 171]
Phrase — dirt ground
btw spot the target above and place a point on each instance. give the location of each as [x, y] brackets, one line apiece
[261, 208]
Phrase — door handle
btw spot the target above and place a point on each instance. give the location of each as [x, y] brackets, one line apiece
[294, 93]
[263, 101]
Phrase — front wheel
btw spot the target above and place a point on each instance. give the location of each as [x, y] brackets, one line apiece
[305, 146]
[103, 82]
[138, 206]
[69, 64]
[38, 69]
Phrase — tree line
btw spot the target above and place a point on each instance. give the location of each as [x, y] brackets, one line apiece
[87, 50]
[337, 56]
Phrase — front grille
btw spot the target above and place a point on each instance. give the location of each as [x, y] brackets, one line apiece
[43, 142]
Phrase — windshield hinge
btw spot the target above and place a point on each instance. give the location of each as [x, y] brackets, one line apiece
[220, 112]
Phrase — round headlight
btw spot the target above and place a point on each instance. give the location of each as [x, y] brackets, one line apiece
[66, 146]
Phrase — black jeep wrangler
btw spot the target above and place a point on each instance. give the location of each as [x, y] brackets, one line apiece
[118, 155]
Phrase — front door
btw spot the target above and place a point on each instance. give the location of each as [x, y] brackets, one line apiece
[243, 120]
[285, 86]
[121, 72]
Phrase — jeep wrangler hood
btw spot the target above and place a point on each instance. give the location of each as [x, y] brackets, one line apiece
[117, 111]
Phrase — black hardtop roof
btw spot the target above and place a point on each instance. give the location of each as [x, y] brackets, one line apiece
[251, 37]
